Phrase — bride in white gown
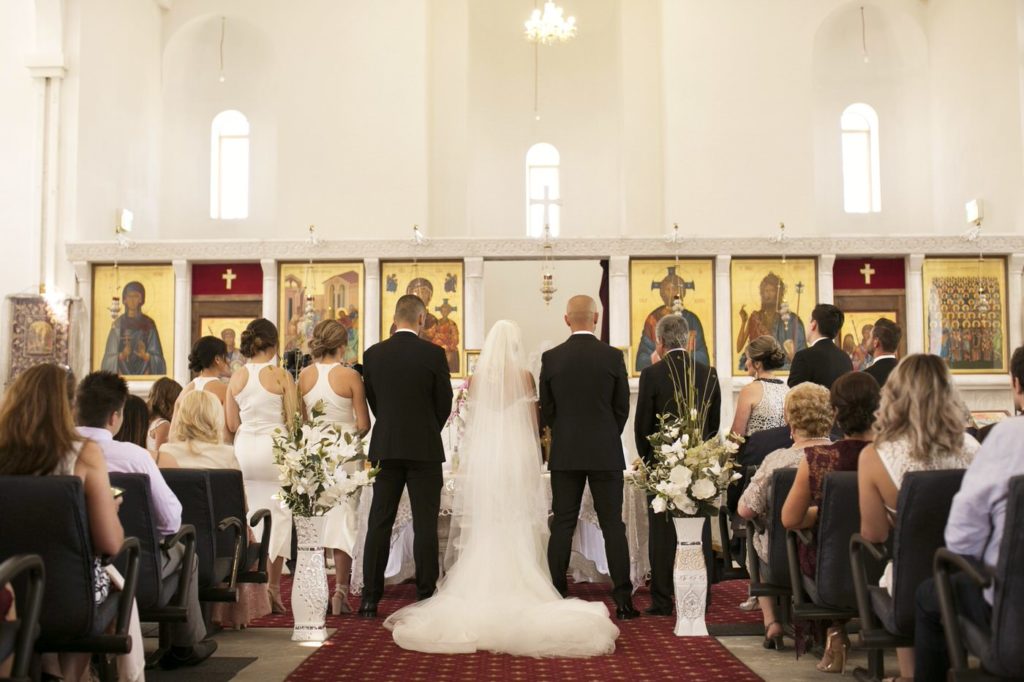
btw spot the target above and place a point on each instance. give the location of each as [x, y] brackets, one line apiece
[498, 594]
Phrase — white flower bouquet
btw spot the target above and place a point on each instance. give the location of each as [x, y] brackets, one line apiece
[311, 457]
[687, 474]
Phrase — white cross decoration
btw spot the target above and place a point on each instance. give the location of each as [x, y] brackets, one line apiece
[228, 278]
[547, 202]
[867, 271]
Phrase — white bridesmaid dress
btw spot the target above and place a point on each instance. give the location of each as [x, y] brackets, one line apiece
[342, 522]
[261, 414]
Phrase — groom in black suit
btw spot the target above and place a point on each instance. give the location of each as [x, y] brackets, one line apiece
[657, 396]
[823, 361]
[584, 398]
[409, 390]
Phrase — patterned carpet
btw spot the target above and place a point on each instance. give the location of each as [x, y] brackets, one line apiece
[646, 648]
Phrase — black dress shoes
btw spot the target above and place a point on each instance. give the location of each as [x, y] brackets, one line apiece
[626, 611]
[179, 657]
[658, 611]
[368, 610]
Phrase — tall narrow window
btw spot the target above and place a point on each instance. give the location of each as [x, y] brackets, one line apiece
[543, 205]
[229, 166]
[862, 189]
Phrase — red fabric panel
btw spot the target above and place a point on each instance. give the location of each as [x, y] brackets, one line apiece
[208, 279]
[889, 273]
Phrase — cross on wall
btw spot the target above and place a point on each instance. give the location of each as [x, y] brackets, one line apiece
[867, 271]
[228, 278]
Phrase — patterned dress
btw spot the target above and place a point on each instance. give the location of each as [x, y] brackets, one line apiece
[769, 412]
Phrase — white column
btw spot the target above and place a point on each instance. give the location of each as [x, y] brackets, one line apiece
[723, 335]
[826, 288]
[182, 319]
[81, 359]
[618, 301]
[269, 289]
[473, 302]
[371, 302]
[1015, 302]
[915, 304]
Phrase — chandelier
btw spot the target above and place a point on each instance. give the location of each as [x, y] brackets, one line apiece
[550, 26]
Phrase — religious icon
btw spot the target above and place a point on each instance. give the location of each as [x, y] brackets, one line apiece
[965, 313]
[40, 331]
[663, 287]
[314, 292]
[228, 329]
[437, 284]
[472, 357]
[856, 335]
[139, 343]
[782, 291]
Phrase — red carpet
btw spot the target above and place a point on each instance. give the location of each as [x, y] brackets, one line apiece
[646, 648]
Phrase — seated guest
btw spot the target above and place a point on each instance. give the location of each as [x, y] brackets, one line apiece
[197, 440]
[823, 361]
[161, 408]
[809, 415]
[885, 339]
[975, 529]
[38, 438]
[100, 399]
[920, 427]
[135, 423]
[759, 405]
[855, 400]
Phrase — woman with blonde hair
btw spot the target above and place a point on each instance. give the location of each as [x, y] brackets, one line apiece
[759, 405]
[809, 414]
[340, 393]
[197, 437]
[921, 426]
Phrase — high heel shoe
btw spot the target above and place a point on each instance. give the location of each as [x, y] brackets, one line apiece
[837, 645]
[773, 642]
[339, 602]
[275, 600]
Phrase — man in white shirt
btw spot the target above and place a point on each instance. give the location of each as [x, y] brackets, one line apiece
[974, 529]
[99, 405]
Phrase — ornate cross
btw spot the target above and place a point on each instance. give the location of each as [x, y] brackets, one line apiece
[867, 271]
[449, 306]
[228, 278]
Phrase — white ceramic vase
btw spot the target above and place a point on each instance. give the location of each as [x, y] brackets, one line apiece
[309, 585]
[690, 577]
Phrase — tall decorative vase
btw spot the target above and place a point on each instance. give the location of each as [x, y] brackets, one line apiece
[690, 577]
[309, 585]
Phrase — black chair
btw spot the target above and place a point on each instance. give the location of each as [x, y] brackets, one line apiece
[772, 579]
[46, 515]
[18, 636]
[887, 620]
[997, 645]
[218, 569]
[228, 492]
[161, 600]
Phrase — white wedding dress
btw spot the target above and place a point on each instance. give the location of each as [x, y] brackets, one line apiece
[498, 595]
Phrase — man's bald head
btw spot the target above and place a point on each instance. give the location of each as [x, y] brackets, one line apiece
[581, 313]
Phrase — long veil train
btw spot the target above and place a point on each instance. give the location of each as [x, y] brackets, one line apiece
[498, 595]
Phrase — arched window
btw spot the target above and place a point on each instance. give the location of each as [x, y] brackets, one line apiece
[862, 189]
[542, 191]
[229, 166]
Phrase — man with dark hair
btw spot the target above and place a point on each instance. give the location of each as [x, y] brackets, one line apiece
[100, 405]
[885, 339]
[823, 361]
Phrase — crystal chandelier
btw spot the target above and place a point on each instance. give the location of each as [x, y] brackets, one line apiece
[547, 274]
[550, 26]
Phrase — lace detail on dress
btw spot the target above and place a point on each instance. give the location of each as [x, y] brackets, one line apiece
[895, 455]
[769, 411]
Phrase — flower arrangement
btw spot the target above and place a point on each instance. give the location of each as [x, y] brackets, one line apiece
[311, 457]
[687, 474]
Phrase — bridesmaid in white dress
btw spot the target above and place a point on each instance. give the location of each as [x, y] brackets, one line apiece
[343, 397]
[260, 394]
[209, 362]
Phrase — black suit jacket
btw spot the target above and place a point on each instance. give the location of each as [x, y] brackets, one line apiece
[822, 363]
[657, 396]
[584, 398]
[409, 389]
[881, 370]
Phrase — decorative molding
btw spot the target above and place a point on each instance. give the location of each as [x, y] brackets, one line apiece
[299, 250]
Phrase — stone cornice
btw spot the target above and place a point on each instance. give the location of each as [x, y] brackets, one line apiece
[516, 249]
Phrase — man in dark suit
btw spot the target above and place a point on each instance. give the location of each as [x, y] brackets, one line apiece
[885, 339]
[409, 390]
[584, 398]
[823, 361]
[657, 396]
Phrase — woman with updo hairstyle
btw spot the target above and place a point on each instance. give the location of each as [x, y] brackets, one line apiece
[759, 405]
[261, 399]
[854, 397]
[339, 392]
[208, 360]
